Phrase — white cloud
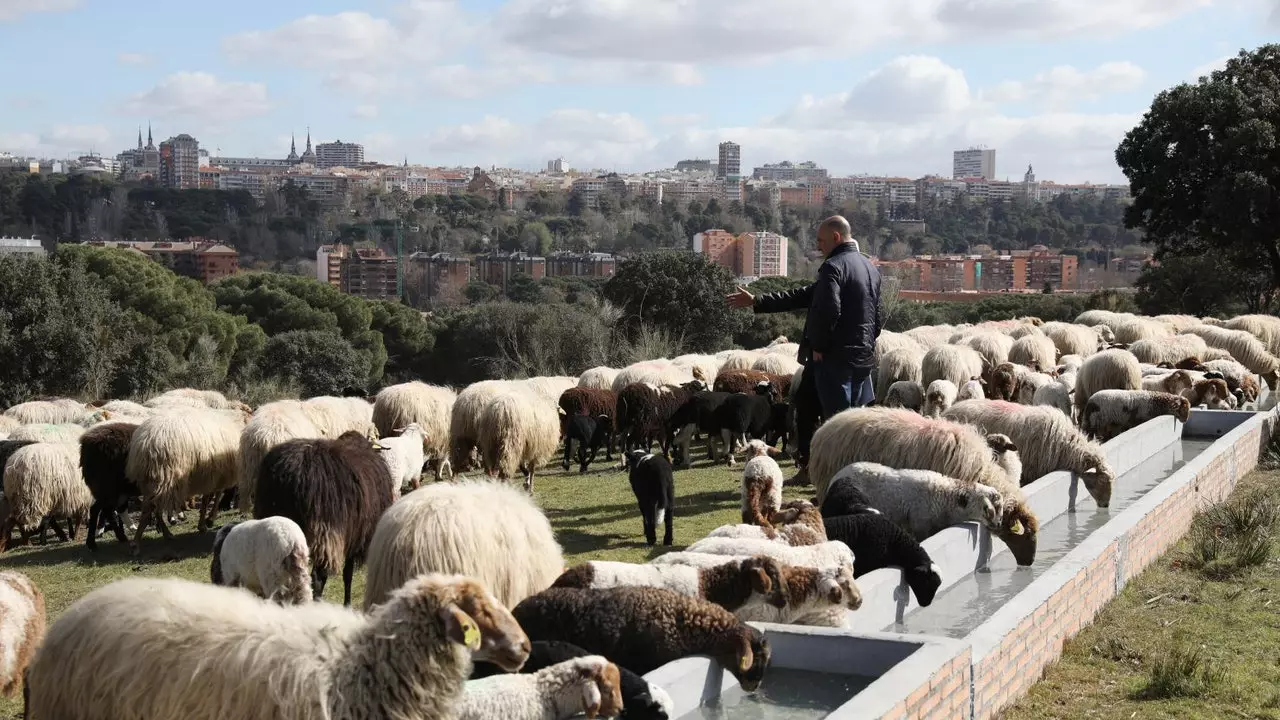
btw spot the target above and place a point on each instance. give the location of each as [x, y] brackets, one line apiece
[200, 97]
[1200, 70]
[1063, 87]
[133, 58]
[14, 9]
[365, 112]
[612, 72]
[59, 141]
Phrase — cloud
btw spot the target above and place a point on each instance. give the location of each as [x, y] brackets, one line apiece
[365, 112]
[59, 141]
[904, 119]
[1063, 87]
[15, 9]
[133, 58]
[633, 73]
[1201, 70]
[200, 97]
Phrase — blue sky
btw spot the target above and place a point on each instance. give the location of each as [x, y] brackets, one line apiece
[860, 86]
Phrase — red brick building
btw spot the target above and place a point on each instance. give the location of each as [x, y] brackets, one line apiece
[566, 264]
[198, 259]
[498, 268]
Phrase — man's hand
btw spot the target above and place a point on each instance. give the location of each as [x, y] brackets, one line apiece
[740, 299]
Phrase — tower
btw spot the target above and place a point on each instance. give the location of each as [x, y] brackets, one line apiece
[150, 143]
[309, 155]
[139, 137]
[293, 149]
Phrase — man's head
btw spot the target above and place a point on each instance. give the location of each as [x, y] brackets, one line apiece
[832, 232]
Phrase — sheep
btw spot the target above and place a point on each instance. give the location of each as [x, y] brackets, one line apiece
[940, 396]
[1069, 364]
[644, 628]
[1264, 327]
[104, 454]
[737, 360]
[923, 502]
[878, 543]
[178, 649]
[1046, 440]
[269, 557]
[663, 372]
[1112, 412]
[127, 408]
[1071, 339]
[45, 432]
[1006, 380]
[49, 412]
[796, 523]
[599, 378]
[22, 618]
[1237, 377]
[519, 432]
[645, 411]
[735, 381]
[42, 484]
[335, 490]
[992, 346]
[601, 404]
[1037, 352]
[749, 415]
[951, 362]
[7, 425]
[333, 416]
[844, 498]
[1102, 317]
[430, 406]
[1107, 370]
[1029, 383]
[1210, 393]
[404, 454]
[1168, 349]
[640, 699]
[465, 420]
[1243, 347]
[896, 365]
[1139, 328]
[1178, 322]
[589, 434]
[901, 439]
[761, 485]
[198, 399]
[926, 337]
[697, 413]
[550, 387]
[1026, 330]
[818, 555]
[733, 584]
[180, 454]
[971, 390]
[653, 484]
[1170, 382]
[905, 394]
[776, 364]
[589, 685]
[1055, 395]
[484, 529]
[270, 425]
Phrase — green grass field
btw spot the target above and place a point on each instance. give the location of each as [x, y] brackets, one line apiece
[594, 516]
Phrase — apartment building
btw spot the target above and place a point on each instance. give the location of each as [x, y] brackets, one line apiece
[369, 273]
[199, 259]
[339, 154]
[976, 162]
[787, 171]
[498, 268]
[180, 162]
[442, 273]
[21, 246]
[752, 254]
[1020, 270]
[730, 160]
[567, 264]
[329, 264]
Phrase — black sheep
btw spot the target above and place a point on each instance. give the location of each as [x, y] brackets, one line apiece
[654, 486]
[335, 490]
[590, 433]
[644, 413]
[640, 700]
[745, 417]
[593, 402]
[845, 498]
[644, 628]
[878, 542]
[696, 414]
[104, 451]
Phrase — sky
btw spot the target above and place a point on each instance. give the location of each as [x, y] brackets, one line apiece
[878, 87]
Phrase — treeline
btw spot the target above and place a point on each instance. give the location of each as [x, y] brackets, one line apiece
[289, 224]
[93, 323]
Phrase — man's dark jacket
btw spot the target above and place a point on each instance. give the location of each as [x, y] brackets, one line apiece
[844, 308]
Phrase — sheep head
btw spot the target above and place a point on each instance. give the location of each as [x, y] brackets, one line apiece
[493, 634]
[1098, 479]
[1019, 530]
[745, 652]
[842, 589]
[757, 448]
[768, 578]
[600, 683]
[924, 582]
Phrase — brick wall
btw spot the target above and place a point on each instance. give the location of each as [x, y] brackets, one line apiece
[945, 695]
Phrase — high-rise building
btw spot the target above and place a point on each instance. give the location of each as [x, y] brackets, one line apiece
[749, 255]
[338, 154]
[180, 162]
[730, 160]
[770, 256]
[976, 162]
[141, 163]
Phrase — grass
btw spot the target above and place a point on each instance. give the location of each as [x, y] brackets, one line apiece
[594, 516]
[1197, 635]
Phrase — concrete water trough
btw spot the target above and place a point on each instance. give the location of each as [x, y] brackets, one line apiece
[993, 626]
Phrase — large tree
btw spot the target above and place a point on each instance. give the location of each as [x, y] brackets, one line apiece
[681, 293]
[1204, 168]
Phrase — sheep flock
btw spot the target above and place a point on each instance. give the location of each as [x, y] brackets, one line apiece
[465, 567]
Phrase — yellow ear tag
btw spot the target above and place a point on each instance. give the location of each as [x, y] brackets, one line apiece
[744, 663]
[471, 636]
[1016, 528]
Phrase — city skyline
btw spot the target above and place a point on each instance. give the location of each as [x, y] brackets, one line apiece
[632, 86]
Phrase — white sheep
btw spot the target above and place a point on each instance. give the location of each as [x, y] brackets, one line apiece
[1237, 376]
[1071, 339]
[483, 529]
[601, 378]
[1112, 412]
[1028, 384]
[1264, 327]
[940, 395]
[926, 337]
[761, 485]
[897, 365]
[1170, 382]
[1069, 364]
[191, 398]
[22, 618]
[8, 425]
[1107, 370]
[429, 406]
[271, 425]
[519, 433]
[333, 416]
[269, 557]
[951, 362]
[45, 432]
[1141, 328]
[829, 552]
[168, 648]
[729, 360]
[1037, 352]
[1244, 347]
[464, 420]
[128, 408]
[665, 372]
[905, 394]
[404, 455]
[731, 584]
[776, 364]
[992, 345]
[589, 685]
[923, 502]
[1055, 395]
[50, 412]
[971, 390]
[1172, 350]
[42, 482]
[550, 388]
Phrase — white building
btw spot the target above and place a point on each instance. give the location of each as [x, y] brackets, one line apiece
[770, 256]
[976, 162]
[339, 154]
[20, 246]
[730, 160]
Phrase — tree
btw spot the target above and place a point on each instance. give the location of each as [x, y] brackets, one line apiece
[524, 289]
[536, 239]
[320, 362]
[679, 292]
[478, 292]
[1200, 286]
[1204, 167]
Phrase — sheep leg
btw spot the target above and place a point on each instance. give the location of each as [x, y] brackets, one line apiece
[117, 520]
[668, 518]
[95, 516]
[568, 453]
[73, 527]
[727, 438]
[528, 477]
[206, 522]
[6, 530]
[348, 571]
[650, 528]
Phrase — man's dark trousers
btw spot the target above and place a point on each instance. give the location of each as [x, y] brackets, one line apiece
[826, 388]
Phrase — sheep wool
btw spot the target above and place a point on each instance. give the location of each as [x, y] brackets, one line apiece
[465, 420]
[43, 480]
[761, 485]
[940, 396]
[179, 454]
[600, 378]
[45, 432]
[519, 433]
[1072, 339]
[951, 362]
[1037, 352]
[732, 584]
[907, 394]
[483, 529]
[22, 619]
[430, 406]
[971, 390]
[271, 425]
[267, 556]
[169, 649]
[897, 365]
[1055, 395]
[1112, 412]
[1244, 347]
[1108, 370]
[589, 685]
[1171, 350]
[49, 412]
[922, 502]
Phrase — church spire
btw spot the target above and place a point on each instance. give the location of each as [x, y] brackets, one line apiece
[139, 137]
[293, 144]
[308, 139]
[150, 143]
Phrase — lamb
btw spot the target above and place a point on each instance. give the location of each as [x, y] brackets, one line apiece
[178, 649]
[749, 415]
[1108, 370]
[898, 365]
[1055, 395]
[592, 402]
[104, 454]
[971, 390]
[177, 455]
[819, 555]
[653, 484]
[1168, 349]
[599, 378]
[940, 396]
[267, 556]
[465, 420]
[1170, 382]
[878, 543]
[1112, 412]
[42, 484]
[951, 362]
[429, 406]
[644, 628]
[1037, 352]
[49, 412]
[698, 412]
[1237, 376]
[590, 685]
[404, 454]
[845, 499]
[519, 433]
[923, 502]
[22, 619]
[44, 432]
[1210, 393]
[1046, 440]
[335, 490]
[484, 529]
[588, 434]
[761, 485]
[739, 381]
[1073, 339]
[645, 411]
[272, 424]
[901, 439]
[732, 585]
[796, 523]
[906, 394]
[641, 700]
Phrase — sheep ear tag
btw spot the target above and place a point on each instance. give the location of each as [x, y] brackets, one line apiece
[1016, 528]
[471, 635]
[744, 663]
